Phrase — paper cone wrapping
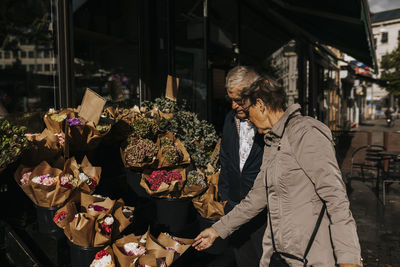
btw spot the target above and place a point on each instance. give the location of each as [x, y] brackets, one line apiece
[45, 146]
[165, 190]
[146, 260]
[108, 204]
[207, 205]
[166, 115]
[91, 171]
[70, 208]
[123, 220]
[180, 245]
[192, 191]
[84, 137]
[162, 162]
[81, 230]
[45, 194]
[139, 165]
[86, 200]
[71, 167]
[26, 188]
[52, 125]
[122, 259]
[101, 239]
[111, 253]
[153, 247]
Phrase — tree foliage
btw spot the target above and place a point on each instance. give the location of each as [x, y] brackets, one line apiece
[390, 65]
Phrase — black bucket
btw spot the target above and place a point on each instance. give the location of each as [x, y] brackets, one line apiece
[82, 256]
[133, 180]
[173, 214]
[220, 245]
[45, 221]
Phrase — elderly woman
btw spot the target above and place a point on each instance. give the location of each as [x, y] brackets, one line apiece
[310, 223]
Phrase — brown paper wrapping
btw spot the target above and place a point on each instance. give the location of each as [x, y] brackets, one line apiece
[45, 195]
[106, 203]
[86, 200]
[81, 230]
[52, 125]
[84, 137]
[166, 115]
[148, 260]
[138, 165]
[26, 188]
[45, 147]
[122, 221]
[165, 190]
[207, 204]
[111, 252]
[99, 238]
[162, 162]
[192, 191]
[91, 171]
[174, 243]
[70, 208]
[122, 259]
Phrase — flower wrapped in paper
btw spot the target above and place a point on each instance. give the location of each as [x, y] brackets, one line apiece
[172, 152]
[55, 121]
[104, 258]
[145, 127]
[139, 152]
[22, 178]
[163, 183]
[208, 205]
[179, 245]
[195, 184]
[45, 146]
[65, 214]
[103, 229]
[127, 249]
[81, 229]
[83, 135]
[89, 176]
[124, 215]
[95, 206]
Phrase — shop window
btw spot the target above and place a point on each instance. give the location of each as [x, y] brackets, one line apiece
[20, 92]
[1, 54]
[106, 39]
[46, 54]
[47, 67]
[385, 37]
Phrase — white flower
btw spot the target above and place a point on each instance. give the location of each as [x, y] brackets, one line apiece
[36, 179]
[83, 177]
[134, 248]
[109, 220]
[103, 262]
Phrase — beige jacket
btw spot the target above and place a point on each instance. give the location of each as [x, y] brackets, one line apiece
[299, 170]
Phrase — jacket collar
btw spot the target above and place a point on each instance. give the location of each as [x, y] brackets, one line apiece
[279, 127]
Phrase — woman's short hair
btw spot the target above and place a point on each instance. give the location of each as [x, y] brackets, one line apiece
[269, 91]
[240, 76]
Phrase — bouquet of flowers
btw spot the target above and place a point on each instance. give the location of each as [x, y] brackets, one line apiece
[104, 258]
[44, 146]
[139, 153]
[88, 175]
[195, 184]
[42, 185]
[172, 152]
[127, 249]
[208, 204]
[162, 183]
[145, 127]
[12, 143]
[55, 121]
[98, 221]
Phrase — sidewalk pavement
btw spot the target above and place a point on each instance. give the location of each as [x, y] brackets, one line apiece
[378, 225]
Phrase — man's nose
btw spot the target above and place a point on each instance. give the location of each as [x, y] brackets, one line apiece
[234, 105]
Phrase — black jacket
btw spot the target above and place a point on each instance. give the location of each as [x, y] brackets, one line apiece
[233, 185]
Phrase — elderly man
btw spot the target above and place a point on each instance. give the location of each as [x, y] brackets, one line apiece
[241, 156]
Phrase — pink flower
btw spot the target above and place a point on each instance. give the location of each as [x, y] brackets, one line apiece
[25, 178]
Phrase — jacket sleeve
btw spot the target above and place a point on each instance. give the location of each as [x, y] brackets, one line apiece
[315, 153]
[249, 207]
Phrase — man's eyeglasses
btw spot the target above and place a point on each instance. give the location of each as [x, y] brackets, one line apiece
[246, 109]
[238, 100]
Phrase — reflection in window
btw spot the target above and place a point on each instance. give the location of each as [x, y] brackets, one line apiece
[47, 67]
[29, 30]
[106, 49]
[384, 37]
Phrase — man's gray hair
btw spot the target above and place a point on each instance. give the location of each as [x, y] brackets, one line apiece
[240, 76]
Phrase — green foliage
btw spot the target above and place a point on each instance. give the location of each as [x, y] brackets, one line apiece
[145, 128]
[12, 142]
[390, 65]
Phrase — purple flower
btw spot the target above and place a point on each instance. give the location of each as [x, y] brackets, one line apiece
[74, 122]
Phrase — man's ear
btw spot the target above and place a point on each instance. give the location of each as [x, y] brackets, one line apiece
[260, 104]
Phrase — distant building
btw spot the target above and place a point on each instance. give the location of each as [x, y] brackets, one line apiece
[386, 32]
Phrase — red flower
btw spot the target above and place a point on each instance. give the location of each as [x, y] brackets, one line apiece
[97, 208]
[101, 254]
[60, 216]
[93, 183]
[105, 229]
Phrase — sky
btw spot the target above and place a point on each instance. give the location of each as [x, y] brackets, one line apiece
[382, 5]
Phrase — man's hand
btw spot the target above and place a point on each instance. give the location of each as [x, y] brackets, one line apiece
[205, 239]
[349, 265]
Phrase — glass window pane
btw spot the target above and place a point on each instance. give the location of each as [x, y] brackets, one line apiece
[106, 49]
[30, 30]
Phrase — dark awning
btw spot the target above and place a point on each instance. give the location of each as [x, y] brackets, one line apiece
[344, 24]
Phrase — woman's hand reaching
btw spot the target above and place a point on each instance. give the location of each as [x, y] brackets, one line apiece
[205, 239]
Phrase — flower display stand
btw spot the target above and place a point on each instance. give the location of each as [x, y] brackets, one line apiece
[45, 220]
[82, 256]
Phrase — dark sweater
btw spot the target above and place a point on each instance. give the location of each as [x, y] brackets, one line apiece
[234, 185]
